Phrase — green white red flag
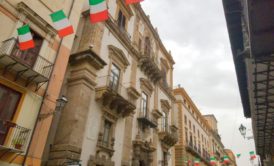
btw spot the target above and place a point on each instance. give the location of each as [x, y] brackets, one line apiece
[238, 155]
[212, 160]
[197, 162]
[25, 38]
[226, 159]
[252, 155]
[61, 23]
[98, 11]
[133, 1]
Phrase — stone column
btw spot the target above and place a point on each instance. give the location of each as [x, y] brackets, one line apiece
[127, 147]
[80, 92]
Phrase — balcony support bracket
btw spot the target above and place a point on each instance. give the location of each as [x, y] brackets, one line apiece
[8, 67]
[19, 74]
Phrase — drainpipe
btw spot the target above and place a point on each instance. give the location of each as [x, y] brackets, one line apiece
[40, 109]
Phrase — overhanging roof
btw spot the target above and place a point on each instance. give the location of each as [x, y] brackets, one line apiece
[233, 13]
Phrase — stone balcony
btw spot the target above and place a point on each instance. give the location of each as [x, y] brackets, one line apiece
[147, 119]
[168, 135]
[114, 96]
[149, 66]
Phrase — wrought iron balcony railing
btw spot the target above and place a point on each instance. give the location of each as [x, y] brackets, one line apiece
[13, 137]
[114, 95]
[27, 64]
[147, 119]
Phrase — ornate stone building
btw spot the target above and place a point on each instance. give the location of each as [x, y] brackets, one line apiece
[198, 134]
[119, 86]
[30, 81]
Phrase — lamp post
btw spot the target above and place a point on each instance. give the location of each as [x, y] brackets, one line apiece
[61, 102]
[242, 130]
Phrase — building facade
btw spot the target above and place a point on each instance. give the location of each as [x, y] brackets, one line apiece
[198, 134]
[250, 27]
[30, 81]
[119, 89]
[231, 157]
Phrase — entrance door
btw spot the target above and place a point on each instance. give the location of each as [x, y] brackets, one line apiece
[9, 100]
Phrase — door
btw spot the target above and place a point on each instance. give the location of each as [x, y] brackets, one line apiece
[9, 100]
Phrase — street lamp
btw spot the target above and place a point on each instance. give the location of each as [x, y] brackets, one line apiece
[242, 130]
[61, 102]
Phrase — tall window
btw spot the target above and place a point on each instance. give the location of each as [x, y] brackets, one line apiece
[147, 46]
[114, 77]
[164, 73]
[107, 130]
[186, 133]
[165, 121]
[144, 102]
[121, 20]
[28, 57]
[9, 100]
[185, 120]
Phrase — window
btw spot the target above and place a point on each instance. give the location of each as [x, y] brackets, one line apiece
[165, 121]
[144, 102]
[164, 78]
[189, 123]
[28, 57]
[106, 136]
[186, 133]
[193, 129]
[185, 120]
[114, 77]
[121, 20]
[9, 100]
[147, 46]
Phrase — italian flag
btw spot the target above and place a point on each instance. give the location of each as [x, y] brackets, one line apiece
[252, 155]
[212, 160]
[98, 11]
[25, 38]
[61, 23]
[196, 162]
[226, 159]
[132, 1]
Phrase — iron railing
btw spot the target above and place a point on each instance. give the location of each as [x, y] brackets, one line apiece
[114, 86]
[14, 136]
[40, 65]
[145, 114]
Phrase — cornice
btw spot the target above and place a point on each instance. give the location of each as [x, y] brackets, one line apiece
[122, 36]
[142, 14]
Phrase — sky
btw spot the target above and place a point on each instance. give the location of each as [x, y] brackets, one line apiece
[195, 31]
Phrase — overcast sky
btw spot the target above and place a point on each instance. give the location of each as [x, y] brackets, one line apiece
[195, 31]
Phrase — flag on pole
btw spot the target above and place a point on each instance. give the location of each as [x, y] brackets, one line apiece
[98, 11]
[61, 23]
[212, 160]
[197, 162]
[226, 159]
[238, 155]
[252, 155]
[25, 38]
[133, 1]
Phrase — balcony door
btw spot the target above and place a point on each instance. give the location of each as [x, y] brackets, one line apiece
[144, 105]
[28, 57]
[9, 100]
[114, 77]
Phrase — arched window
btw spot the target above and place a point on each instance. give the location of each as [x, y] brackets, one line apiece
[147, 46]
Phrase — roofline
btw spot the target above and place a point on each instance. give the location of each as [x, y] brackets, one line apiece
[233, 14]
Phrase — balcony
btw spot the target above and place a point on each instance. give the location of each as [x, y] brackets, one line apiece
[13, 138]
[114, 96]
[147, 119]
[193, 149]
[26, 64]
[168, 135]
[149, 66]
